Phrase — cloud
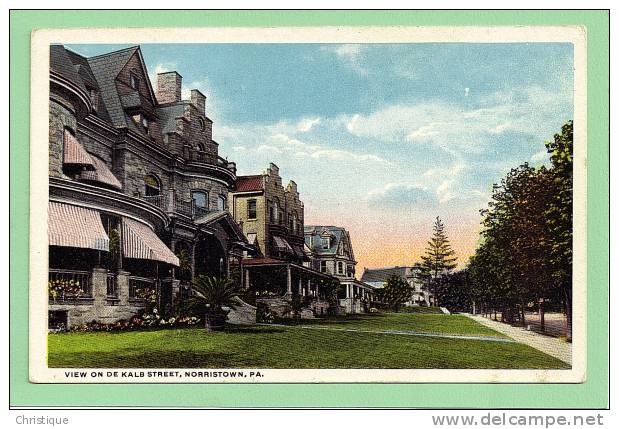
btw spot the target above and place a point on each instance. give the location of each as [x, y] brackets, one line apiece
[460, 128]
[398, 195]
[307, 124]
[281, 140]
[350, 55]
[542, 155]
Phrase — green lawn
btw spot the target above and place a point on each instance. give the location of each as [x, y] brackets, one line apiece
[420, 309]
[455, 324]
[299, 347]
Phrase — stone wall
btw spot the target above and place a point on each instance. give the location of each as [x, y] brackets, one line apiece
[242, 314]
[134, 168]
[184, 186]
[100, 308]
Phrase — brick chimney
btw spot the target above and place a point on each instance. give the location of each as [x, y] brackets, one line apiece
[169, 87]
[199, 100]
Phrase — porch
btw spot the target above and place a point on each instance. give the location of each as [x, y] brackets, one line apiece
[288, 288]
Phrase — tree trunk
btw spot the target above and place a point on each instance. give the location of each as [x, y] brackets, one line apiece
[542, 322]
[568, 312]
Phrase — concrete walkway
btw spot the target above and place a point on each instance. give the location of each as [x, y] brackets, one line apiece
[555, 347]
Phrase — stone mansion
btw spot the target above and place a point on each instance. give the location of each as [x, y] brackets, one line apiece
[140, 200]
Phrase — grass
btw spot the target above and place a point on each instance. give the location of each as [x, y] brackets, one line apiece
[455, 324]
[421, 310]
[296, 347]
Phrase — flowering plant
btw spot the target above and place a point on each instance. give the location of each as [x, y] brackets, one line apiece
[63, 287]
[146, 293]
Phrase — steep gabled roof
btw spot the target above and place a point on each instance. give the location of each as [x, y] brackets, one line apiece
[382, 274]
[336, 233]
[249, 183]
[105, 69]
[60, 63]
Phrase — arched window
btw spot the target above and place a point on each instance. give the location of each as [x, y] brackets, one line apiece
[221, 203]
[152, 185]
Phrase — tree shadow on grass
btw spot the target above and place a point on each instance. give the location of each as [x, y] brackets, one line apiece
[136, 358]
[236, 329]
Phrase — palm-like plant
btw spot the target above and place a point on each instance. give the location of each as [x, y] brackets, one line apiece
[211, 295]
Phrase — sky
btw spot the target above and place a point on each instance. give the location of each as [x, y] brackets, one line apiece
[380, 138]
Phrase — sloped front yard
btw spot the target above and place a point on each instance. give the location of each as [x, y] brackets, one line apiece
[350, 342]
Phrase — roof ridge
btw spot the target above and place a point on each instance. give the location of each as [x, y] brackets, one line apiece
[135, 47]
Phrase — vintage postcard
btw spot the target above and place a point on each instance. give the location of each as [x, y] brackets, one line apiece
[320, 204]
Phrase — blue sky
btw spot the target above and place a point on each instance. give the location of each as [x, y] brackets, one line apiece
[380, 138]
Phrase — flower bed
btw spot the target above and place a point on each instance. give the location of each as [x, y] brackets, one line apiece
[145, 321]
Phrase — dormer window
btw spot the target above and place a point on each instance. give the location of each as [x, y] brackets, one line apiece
[145, 122]
[94, 99]
[325, 243]
[134, 81]
[201, 152]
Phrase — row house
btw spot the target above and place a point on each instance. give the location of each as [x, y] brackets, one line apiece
[332, 253]
[421, 295]
[138, 194]
[272, 218]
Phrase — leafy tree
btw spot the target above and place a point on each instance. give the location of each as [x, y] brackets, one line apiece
[439, 257]
[454, 291]
[559, 214]
[395, 293]
[525, 252]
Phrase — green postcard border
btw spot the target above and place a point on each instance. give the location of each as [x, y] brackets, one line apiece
[594, 393]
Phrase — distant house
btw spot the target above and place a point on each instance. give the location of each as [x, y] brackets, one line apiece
[271, 217]
[378, 277]
[332, 253]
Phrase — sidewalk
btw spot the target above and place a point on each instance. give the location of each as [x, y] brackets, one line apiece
[549, 345]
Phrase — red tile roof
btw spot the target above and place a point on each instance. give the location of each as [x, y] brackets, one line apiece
[249, 183]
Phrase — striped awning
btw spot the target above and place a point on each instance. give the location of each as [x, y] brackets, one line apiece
[101, 174]
[141, 242]
[73, 226]
[74, 153]
[282, 244]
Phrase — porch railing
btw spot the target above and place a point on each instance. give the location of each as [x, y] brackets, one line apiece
[172, 204]
[141, 288]
[69, 285]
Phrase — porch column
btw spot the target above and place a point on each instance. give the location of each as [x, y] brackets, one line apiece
[122, 285]
[288, 280]
[99, 286]
[309, 286]
[193, 259]
[246, 270]
[173, 249]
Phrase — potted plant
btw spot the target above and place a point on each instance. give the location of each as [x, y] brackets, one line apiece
[211, 295]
